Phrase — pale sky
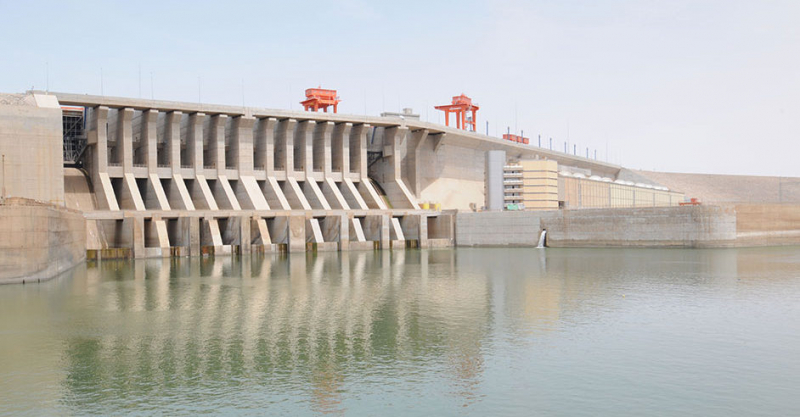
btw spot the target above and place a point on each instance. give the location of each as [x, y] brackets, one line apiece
[683, 86]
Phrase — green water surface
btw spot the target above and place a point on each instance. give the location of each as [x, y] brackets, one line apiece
[484, 332]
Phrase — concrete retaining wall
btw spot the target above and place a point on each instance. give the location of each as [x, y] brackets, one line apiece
[39, 241]
[688, 226]
[500, 228]
[691, 226]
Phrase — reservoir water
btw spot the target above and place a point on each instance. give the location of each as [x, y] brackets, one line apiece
[579, 332]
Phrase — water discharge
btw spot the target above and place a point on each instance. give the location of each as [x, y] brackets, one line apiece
[480, 332]
[542, 239]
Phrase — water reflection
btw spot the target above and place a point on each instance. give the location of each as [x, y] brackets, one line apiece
[329, 332]
[300, 322]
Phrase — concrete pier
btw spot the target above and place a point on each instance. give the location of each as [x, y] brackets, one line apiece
[127, 234]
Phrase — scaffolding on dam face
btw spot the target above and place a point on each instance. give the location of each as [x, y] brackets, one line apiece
[74, 125]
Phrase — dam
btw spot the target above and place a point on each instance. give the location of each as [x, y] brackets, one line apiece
[159, 178]
[96, 177]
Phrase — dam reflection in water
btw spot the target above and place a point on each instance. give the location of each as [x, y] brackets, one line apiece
[493, 330]
[300, 324]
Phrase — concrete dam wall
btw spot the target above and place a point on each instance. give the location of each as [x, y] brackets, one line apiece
[160, 178]
[173, 178]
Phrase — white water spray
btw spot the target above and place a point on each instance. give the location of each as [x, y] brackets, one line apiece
[541, 239]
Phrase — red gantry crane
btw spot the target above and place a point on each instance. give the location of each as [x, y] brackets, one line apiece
[460, 106]
[320, 98]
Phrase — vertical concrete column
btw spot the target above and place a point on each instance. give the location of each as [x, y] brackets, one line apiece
[125, 138]
[264, 146]
[137, 236]
[340, 148]
[386, 234]
[243, 143]
[194, 236]
[194, 140]
[245, 239]
[297, 234]
[172, 139]
[344, 233]
[393, 138]
[98, 138]
[303, 146]
[423, 231]
[218, 131]
[390, 173]
[412, 160]
[182, 235]
[322, 148]
[214, 132]
[149, 126]
[284, 146]
[358, 149]
[266, 153]
[130, 198]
